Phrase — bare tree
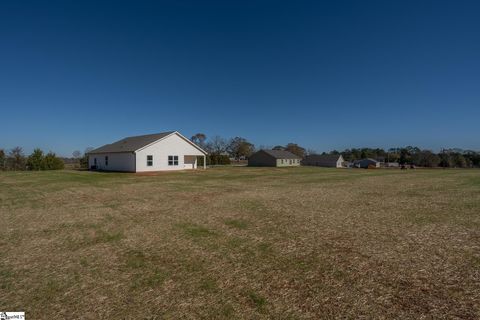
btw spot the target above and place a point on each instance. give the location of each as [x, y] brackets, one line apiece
[296, 149]
[217, 145]
[16, 159]
[76, 154]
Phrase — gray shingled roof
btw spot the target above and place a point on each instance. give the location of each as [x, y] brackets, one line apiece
[323, 159]
[365, 159]
[131, 144]
[281, 154]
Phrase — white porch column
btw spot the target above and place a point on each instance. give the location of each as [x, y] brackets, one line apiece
[204, 162]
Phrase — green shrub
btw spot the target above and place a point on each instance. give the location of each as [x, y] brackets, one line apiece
[52, 162]
[36, 161]
[214, 159]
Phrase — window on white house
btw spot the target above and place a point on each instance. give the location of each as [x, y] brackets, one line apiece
[106, 160]
[173, 160]
[290, 161]
[95, 161]
[149, 161]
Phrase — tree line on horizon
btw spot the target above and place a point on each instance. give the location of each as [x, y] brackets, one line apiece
[221, 151]
[446, 158]
[238, 147]
[15, 160]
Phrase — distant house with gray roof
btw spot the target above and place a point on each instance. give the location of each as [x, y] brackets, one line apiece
[324, 160]
[366, 163]
[274, 158]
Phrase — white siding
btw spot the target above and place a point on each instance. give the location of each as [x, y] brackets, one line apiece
[116, 161]
[340, 162]
[173, 145]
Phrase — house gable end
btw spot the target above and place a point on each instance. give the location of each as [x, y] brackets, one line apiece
[173, 133]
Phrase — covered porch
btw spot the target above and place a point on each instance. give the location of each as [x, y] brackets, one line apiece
[190, 162]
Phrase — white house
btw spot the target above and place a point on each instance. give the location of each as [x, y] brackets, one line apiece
[152, 152]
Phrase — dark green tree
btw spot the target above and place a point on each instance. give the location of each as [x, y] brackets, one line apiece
[405, 156]
[445, 160]
[2, 159]
[459, 160]
[52, 162]
[473, 157]
[425, 158]
[36, 160]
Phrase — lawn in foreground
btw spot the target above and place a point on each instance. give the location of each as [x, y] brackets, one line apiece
[291, 243]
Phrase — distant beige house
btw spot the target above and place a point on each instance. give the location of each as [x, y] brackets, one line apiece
[273, 158]
[324, 160]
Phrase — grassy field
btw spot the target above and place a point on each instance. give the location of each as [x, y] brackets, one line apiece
[246, 243]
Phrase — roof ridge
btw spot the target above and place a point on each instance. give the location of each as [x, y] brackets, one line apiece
[132, 143]
[279, 153]
[149, 134]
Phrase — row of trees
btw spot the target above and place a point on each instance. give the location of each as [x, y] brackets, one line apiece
[220, 150]
[38, 160]
[238, 147]
[447, 158]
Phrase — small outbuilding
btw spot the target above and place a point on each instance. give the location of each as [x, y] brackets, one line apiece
[151, 152]
[274, 158]
[324, 160]
[366, 163]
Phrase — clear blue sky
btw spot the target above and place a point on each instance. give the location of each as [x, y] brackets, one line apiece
[327, 75]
